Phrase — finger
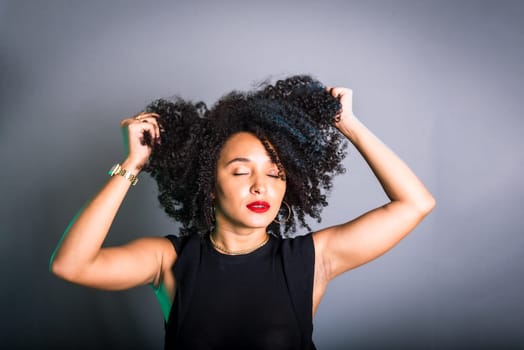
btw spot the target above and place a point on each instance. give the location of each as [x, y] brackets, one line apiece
[145, 115]
[152, 121]
[334, 91]
[144, 136]
[142, 114]
[137, 128]
[148, 132]
[139, 117]
[144, 118]
[148, 119]
[343, 91]
[127, 121]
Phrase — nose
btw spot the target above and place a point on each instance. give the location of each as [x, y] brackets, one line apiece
[258, 186]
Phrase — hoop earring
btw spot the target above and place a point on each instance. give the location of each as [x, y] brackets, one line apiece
[288, 214]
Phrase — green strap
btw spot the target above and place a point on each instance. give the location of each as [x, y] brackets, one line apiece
[163, 299]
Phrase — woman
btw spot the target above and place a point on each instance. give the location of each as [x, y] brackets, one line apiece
[239, 178]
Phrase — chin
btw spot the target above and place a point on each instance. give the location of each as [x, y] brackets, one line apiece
[258, 223]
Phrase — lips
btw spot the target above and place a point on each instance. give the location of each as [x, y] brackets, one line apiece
[258, 206]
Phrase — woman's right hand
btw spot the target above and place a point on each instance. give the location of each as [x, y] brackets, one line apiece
[140, 134]
[80, 257]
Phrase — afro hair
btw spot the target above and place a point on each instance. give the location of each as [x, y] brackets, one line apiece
[294, 120]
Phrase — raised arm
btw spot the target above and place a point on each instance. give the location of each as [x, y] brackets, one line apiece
[344, 247]
[79, 256]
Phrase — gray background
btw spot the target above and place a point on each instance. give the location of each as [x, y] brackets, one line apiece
[441, 82]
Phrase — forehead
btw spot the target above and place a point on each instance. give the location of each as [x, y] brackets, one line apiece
[243, 145]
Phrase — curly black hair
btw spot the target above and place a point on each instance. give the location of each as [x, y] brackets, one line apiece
[293, 118]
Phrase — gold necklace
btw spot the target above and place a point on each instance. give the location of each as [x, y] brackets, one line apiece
[236, 252]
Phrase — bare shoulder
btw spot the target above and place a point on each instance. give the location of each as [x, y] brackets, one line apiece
[141, 261]
[161, 247]
[168, 252]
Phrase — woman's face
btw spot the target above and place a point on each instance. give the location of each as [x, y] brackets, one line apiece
[249, 188]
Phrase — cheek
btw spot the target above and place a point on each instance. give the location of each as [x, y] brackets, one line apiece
[280, 190]
[230, 191]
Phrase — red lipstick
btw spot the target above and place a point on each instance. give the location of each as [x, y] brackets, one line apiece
[258, 206]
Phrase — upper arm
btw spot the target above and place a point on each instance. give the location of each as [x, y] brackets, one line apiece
[138, 262]
[344, 247]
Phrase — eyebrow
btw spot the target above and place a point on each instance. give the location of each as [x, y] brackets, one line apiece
[239, 159]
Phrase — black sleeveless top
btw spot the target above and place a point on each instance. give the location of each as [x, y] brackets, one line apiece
[261, 300]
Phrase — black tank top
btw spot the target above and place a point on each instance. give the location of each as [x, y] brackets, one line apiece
[241, 302]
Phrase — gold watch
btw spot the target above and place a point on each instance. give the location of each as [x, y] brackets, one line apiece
[118, 170]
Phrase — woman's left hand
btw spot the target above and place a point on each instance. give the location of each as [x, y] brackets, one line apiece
[347, 120]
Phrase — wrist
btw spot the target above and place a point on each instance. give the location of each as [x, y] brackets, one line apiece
[132, 166]
[351, 130]
[121, 170]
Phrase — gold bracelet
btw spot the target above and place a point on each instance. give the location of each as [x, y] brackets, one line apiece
[118, 170]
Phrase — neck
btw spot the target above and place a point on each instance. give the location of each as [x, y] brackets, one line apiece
[238, 243]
